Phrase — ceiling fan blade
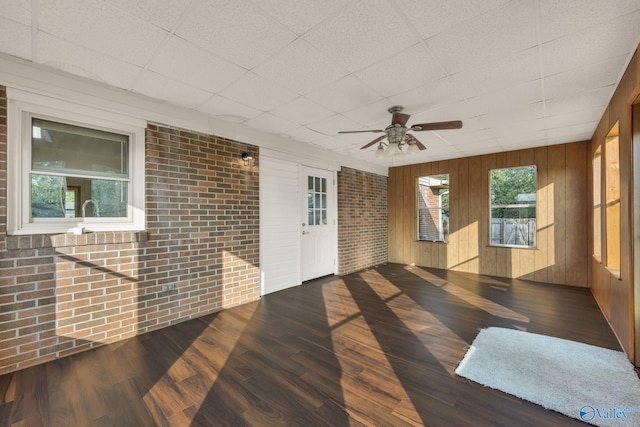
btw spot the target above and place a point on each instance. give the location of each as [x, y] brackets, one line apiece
[361, 131]
[419, 144]
[454, 124]
[375, 141]
[400, 119]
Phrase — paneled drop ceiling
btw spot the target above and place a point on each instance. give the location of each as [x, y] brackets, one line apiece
[520, 74]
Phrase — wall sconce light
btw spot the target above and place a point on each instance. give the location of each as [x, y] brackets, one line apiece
[248, 159]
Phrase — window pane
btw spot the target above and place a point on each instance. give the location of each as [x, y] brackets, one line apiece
[513, 206]
[324, 216]
[47, 196]
[68, 149]
[324, 185]
[612, 198]
[310, 184]
[108, 199]
[60, 197]
[433, 208]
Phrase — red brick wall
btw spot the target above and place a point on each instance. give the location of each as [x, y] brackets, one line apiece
[428, 219]
[362, 220]
[61, 294]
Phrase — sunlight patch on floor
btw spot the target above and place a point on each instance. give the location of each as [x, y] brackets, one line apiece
[182, 386]
[351, 334]
[414, 318]
[472, 298]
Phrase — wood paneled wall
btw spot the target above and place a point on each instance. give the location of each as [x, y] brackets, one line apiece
[612, 289]
[562, 253]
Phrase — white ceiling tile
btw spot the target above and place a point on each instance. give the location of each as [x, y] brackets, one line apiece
[592, 45]
[430, 96]
[573, 133]
[486, 38]
[71, 58]
[163, 13]
[458, 137]
[579, 101]
[372, 116]
[560, 18]
[460, 110]
[101, 27]
[574, 118]
[344, 95]
[15, 39]
[301, 68]
[332, 125]
[364, 33]
[302, 111]
[331, 144]
[235, 60]
[300, 15]
[226, 109]
[163, 88]
[511, 70]
[409, 69]
[524, 114]
[592, 76]
[511, 129]
[305, 134]
[16, 10]
[258, 93]
[431, 17]
[185, 62]
[272, 124]
[237, 31]
[504, 100]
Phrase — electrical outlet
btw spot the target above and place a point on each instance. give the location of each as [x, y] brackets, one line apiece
[167, 287]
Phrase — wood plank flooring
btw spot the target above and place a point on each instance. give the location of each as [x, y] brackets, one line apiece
[372, 348]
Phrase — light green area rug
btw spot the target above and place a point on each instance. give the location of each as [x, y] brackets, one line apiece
[592, 384]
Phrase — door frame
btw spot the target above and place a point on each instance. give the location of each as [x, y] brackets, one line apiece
[291, 266]
[332, 212]
[635, 287]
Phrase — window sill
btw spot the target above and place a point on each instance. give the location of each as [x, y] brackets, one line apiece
[37, 241]
[615, 272]
[432, 241]
[513, 247]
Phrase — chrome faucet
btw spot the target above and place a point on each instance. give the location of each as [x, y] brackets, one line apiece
[95, 207]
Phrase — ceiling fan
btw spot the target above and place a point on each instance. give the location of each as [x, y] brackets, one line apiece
[397, 136]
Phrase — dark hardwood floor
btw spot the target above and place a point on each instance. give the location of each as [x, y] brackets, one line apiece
[372, 348]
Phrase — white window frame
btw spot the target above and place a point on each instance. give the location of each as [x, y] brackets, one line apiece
[21, 107]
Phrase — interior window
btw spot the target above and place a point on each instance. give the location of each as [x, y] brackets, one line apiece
[612, 199]
[512, 194]
[65, 157]
[72, 167]
[433, 208]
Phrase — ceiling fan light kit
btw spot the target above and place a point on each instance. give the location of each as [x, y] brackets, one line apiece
[397, 136]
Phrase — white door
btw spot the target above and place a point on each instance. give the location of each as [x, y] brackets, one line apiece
[318, 235]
